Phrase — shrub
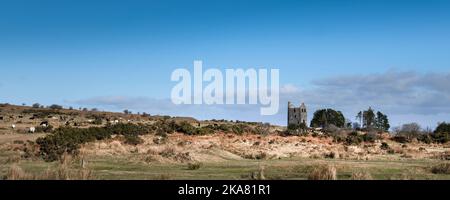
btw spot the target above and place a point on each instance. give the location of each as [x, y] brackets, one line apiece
[425, 138]
[261, 155]
[68, 140]
[97, 121]
[443, 128]
[370, 137]
[127, 129]
[194, 166]
[441, 137]
[55, 107]
[410, 131]
[384, 146]
[133, 140]
[338, 137]
[323, 172]
[205, 131]
[401, 139]
[161, 136]
[222, 127]
[187, 128]
[294, 129]
[238, 129]
[443, 168]
[354, 138]
[46, 129]
[331, 155]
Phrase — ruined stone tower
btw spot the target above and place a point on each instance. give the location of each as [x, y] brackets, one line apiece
[297, 115]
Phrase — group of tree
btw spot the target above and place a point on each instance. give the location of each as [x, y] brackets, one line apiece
[53, 106]
[370, 120]
[442, 133]
[413, 131]
[325, 117]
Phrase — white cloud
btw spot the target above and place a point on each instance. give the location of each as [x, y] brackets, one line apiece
[289, 89]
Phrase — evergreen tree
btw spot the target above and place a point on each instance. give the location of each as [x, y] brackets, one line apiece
[325, 117]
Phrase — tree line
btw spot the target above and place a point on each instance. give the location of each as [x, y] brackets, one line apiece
[370, 120]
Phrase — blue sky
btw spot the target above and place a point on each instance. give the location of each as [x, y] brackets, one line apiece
[120, 54]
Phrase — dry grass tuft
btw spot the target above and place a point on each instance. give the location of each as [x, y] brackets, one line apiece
[16, 173]
[258, 175]
[164, 177]
[323, 172]
[168, 152]
[13, 159]
[63, 171]
[361, 175]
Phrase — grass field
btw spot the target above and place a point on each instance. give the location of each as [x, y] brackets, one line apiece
[122, 168]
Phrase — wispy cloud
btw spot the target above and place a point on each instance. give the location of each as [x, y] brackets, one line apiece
[397, 92]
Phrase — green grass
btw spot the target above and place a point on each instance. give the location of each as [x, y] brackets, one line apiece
[119, 167]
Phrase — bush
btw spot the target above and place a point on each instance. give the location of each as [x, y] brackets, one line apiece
[55, 107]
[97, 121]
[223, 127]
[261, 156]
[294, 129]
[46, 129]
[410, 131]
[354, 138]
[331, 155]
[238, 129]
[194, 166]
[443, 128]
[401, 139]
[204, 131]
[425, 138]
[68, 140]
[441, 137]
[370, 137]
[443, 168]
[384, 146]
[187, 129]
[133, 140]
